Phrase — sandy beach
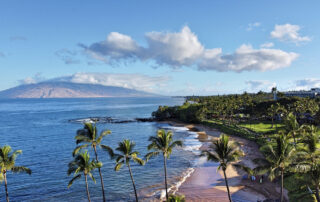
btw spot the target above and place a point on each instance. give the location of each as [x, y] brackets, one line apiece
[208, 184]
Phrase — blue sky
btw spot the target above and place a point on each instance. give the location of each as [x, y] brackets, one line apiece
[168, 47]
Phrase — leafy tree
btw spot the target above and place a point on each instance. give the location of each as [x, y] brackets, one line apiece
[225, 152]
[127, 154]
[162, 143]
[278, 159]
[82, 165]
[88, 136]
[7, 163]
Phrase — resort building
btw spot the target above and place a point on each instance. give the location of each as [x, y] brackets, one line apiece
[312, 93]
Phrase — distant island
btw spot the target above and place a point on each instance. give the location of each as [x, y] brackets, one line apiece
[70, 90]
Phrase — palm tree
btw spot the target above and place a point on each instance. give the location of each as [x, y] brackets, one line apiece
[7, 163]
[308, 159]
[225, 152]
[272, 111]
[82, 164]
[88, 135]
[162, 143]
[278, 158]
[292, 127]
[126, 155]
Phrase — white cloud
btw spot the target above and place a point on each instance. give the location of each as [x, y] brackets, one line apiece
[176, 49]
[306, 84]
[132, 81]
[183, 48]
[116, 46]
[267, 45]
[257, 85]
[288, 33]
[245, 58]
[31, 80]
[253, 25]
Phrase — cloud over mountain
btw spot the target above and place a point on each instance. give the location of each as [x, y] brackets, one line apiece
[183, 49]
[132, 81]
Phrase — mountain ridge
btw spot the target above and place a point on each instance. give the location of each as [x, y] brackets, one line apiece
[62, 89]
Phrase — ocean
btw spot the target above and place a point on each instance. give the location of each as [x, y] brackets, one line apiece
[43, 130]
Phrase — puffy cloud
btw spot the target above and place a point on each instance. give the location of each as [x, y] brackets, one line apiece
[289, 33]
[67, 56]
[306, 84]
[267, 45]
[253, 25]
[246, 58]
[175, 49]
[183, 48]
[132, 81]
[116, 46]
[257, 85]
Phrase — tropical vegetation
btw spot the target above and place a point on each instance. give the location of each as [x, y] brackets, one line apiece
[8, 164]
[224, 152]
[83, 166]
[125, 155]
[162, 143]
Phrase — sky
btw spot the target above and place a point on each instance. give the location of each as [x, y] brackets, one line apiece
[166, 47]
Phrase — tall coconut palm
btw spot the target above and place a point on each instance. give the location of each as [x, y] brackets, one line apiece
[225, 152]
[82, 165]
[162, 143]
[292, 127]
[127, 154]
[272, 111]
[7, 163]
[308, 159]
[88, 136]
[278, 159]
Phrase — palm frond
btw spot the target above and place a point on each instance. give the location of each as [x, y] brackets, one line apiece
[151, 155]
[118, 166]
[103, 133]
[107, 149]
[78, 148]
[74, 179]
[19, 169]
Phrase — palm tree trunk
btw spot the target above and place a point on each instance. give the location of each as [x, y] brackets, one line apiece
[165, 175]
[281, 199]
[6, 185]
[227, 185]
[134, 186]
[101, 179]
[272, 122]
[85, 176]
[317, 194]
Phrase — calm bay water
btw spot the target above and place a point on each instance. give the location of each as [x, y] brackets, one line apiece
[40, 128]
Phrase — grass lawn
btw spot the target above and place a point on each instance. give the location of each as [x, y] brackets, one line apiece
[263, 127]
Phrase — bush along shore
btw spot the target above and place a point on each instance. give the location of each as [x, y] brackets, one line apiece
[286, 130]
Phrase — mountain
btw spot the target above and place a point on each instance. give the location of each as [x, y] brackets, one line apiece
[70, 90]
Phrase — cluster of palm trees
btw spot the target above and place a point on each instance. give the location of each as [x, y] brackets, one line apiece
[8, 164]
[162, 143]
[294, 150]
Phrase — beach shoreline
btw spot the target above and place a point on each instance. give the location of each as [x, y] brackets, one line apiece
[206, 184]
